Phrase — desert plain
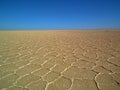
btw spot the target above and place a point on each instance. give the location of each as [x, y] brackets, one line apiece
[60, 60]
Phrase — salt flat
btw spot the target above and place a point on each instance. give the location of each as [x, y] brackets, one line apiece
[60, 60]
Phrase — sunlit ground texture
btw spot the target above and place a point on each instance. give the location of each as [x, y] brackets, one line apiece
[60, 60]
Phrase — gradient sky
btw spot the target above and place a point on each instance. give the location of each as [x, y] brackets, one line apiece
[59, 14]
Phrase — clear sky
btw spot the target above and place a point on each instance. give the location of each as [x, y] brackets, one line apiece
[59, 14]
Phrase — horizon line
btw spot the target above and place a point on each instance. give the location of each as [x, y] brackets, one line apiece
[64, 29]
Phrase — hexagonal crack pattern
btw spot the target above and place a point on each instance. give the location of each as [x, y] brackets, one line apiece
[59, 60]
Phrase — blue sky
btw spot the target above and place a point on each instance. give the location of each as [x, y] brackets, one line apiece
[59, 14]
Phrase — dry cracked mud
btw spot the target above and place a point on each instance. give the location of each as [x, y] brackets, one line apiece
[60, 60]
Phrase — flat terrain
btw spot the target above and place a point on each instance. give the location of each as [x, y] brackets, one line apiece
[60, 60]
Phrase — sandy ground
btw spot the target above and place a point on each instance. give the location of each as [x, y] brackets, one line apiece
[59, 60]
